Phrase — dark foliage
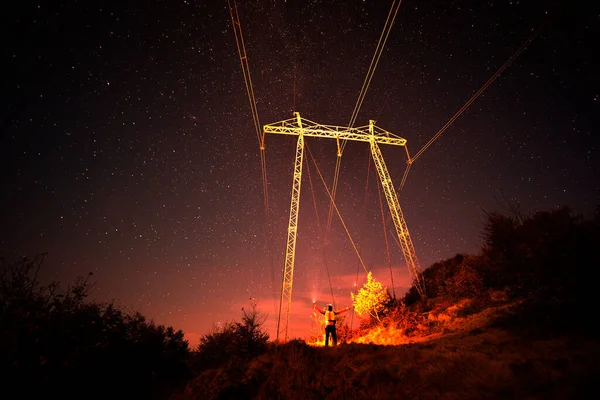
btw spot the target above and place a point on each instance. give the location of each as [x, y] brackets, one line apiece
[54, 342]
[548, 249]
[232, 343]
[545, 262]
[434, 277]
[453, 278]
[548, 261]
[343, 331]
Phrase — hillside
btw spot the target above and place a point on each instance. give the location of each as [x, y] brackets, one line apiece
[469, 357]
[513, 321]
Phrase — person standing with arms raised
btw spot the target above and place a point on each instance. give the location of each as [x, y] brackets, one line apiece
[330, 321]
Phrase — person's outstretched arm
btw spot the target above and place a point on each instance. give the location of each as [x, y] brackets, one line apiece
[343, 310]
[316, 307]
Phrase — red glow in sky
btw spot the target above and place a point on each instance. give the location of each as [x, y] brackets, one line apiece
[128, 147]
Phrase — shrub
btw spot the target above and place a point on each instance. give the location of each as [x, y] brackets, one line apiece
[412, 323]
[466, 280]
[436, 279]
[55, 342]
[371, 299]
[233, 342]
[544, 262]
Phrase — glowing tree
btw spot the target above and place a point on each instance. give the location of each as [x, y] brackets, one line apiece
[371, 298]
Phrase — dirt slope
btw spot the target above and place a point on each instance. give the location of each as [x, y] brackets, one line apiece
[469, 360]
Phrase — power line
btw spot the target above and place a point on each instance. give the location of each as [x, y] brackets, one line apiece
[472, 99]
[260, 135]
[389, 22]
[337, 211]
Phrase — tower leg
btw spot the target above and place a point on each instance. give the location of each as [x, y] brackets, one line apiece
[290, 249]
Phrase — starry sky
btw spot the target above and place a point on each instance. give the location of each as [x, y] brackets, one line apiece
[127, 145]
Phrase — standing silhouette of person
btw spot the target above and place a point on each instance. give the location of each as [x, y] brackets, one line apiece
[330, 321]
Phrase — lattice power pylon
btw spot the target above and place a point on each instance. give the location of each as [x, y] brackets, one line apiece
[371, 134]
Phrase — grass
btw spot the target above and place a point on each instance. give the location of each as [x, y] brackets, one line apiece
[465, 358]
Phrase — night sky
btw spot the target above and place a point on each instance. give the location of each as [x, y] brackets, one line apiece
[127, 146]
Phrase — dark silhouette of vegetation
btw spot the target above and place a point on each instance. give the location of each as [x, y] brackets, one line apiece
[233, 342]
[544, 261]
[548, 261]
[223, 356]
[55, 343]
[343, 331]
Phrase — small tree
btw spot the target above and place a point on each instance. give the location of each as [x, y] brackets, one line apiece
[55, 342]
[371, 298]
[233, 343]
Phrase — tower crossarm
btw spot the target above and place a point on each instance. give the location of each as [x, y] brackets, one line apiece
[295, 126]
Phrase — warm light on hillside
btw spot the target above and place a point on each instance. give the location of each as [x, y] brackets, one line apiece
[383, 336]
[371, 298]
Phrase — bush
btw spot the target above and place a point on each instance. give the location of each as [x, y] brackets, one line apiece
[53, 341]
[343, 331]
[233, 342]
[436, 278]
[545, 263]
[412, 323]
[542, 262]
[466, 280]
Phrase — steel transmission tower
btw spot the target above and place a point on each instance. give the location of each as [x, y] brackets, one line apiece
[371, 134]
